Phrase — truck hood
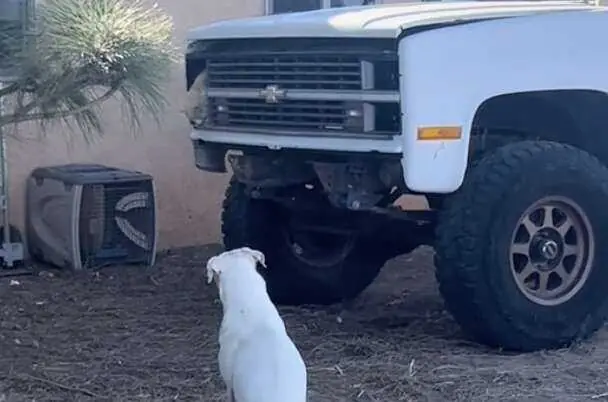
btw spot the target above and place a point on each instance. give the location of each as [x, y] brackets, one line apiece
[383, 21]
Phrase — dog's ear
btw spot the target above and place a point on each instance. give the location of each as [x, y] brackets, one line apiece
[257, 255]
[212, 270]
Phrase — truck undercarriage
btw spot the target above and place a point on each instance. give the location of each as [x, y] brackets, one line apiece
[329, 192]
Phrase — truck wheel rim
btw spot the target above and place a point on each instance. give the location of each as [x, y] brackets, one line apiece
[552, 251]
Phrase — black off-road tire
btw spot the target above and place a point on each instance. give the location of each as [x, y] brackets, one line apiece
[290, 281]
[476, 227]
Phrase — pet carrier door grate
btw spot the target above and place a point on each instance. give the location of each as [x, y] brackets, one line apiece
[87, 216]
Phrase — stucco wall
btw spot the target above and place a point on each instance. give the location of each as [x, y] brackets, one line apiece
[188, 199]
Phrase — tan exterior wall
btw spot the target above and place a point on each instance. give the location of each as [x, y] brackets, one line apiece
[188, 199]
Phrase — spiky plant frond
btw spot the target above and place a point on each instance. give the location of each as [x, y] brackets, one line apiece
[86, 52]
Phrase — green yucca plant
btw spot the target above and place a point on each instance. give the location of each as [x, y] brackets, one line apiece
[85, 52]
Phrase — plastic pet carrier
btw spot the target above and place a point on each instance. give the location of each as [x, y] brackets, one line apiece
[84, 216]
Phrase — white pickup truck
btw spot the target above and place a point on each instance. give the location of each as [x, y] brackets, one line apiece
[496, 112]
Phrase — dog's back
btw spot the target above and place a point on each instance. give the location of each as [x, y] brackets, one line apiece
[258, 360]
[268, 368]
[256, 352]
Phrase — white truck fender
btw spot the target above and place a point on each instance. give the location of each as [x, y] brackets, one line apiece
[447, 73]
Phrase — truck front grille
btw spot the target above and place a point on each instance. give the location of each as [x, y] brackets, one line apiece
[324, 86]
[287, 70]
[255, 113]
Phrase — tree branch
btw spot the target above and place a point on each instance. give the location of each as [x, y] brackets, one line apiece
[20, 118]
[57, 92]
[76, 63]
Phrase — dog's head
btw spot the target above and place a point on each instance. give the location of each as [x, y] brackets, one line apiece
[224, 261]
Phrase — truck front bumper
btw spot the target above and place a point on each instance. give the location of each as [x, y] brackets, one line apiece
[210, 147]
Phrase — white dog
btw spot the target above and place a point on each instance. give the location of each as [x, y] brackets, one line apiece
[258, 361]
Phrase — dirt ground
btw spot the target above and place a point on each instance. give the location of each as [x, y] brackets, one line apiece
[130, 334]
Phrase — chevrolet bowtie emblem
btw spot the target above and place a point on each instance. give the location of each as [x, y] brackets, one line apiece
[272, 94]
